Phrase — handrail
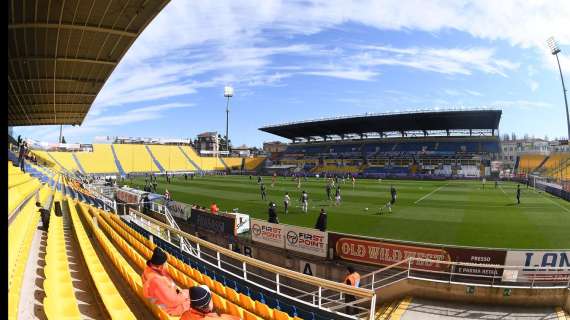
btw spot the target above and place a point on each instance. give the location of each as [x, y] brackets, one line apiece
[319, 282]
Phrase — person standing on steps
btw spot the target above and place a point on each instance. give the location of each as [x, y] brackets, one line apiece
[272, 214]
[322, 221]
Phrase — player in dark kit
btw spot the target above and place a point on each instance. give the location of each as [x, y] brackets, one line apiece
[519, 194]
[329, 191]
[393, 197]
[263, 194]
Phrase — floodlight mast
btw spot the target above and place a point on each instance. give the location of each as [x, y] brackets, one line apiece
[555, 49]
[228, 93]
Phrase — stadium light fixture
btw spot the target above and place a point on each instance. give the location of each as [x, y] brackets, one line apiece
[228, 93]
[555, 50]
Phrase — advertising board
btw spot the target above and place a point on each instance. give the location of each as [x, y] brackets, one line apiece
[482, 256]
[268, 233]
[529, 262]
[306, 240]
[386, 253]
[218, 223]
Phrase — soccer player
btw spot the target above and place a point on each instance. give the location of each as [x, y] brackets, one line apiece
[305, 201]
[496, 183]
[259, 179]
[263, 194]
[286, 200]
[353, 182]
[518, 194]
[273, 179]
[484, 181]
[298, 182]
[393, 197]
[337, 196]
[329, 191]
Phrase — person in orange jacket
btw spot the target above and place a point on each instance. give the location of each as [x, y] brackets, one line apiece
[159, 287]
[214, 208]
[352, 279]
[201, 306]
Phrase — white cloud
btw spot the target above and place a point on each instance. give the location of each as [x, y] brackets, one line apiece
[446, 61]
[525, 104]
[533, 85]
[473, 92]
[349, 74]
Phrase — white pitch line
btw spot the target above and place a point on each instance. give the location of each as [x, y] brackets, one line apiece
[556, 203]
[429, 194]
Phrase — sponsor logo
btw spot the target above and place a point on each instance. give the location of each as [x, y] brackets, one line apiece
[256, 229]
[384, 253]
[292, 237]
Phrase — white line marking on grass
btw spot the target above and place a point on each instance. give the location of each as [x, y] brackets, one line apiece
[429, 194]
[556, 203]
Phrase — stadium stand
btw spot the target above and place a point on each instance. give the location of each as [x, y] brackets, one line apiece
[100, 160]
[64, 160]
[135, 158]
[171, 158]
[530, 162]
[407, 144]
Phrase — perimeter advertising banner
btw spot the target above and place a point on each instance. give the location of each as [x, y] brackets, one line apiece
[219, 223]
[384, 253]
[529, 261]
[267, 233]
[306, 240]
[496, 257]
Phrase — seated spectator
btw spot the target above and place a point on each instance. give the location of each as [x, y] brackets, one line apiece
[201, 306]
[160, 289]
[214, 208]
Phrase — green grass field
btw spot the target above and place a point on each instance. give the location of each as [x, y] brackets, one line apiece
[446, 212]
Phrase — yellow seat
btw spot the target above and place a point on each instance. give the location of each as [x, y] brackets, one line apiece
[208, 281]
[246, 302]
[58, 308]
[219, 288]
[280, 315]
[232, 295]
[251, 316]
[263, 310]
[220, 305]
[235, 310]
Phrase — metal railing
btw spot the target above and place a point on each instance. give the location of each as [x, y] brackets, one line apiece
[474, 274]
[295, 286]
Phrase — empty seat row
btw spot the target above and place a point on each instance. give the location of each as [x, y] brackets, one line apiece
[20, 236]
[127, 272]
[226, 300]
[60, 301]
[115, 305]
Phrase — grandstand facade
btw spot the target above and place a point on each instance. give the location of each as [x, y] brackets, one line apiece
[130, 158]
[442, 143]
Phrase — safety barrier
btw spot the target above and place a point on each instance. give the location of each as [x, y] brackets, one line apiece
[289, 284]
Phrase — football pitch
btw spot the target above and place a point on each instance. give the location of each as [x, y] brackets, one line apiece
[456, 212]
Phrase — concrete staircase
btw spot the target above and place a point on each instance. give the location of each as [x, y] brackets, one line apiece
[78, 163]
[117, 162]
[158, 165]
[189, 159]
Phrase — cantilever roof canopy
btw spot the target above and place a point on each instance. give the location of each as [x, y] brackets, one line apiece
[411, 121]
[61, 52]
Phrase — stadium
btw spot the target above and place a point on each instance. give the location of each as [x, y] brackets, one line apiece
[418, 203]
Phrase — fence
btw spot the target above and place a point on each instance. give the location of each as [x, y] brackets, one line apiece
[475, 274]
[292, 285]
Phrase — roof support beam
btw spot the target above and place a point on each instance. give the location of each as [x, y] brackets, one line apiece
[58, 94]
[69, 26]
[51, 59]
[59, 80]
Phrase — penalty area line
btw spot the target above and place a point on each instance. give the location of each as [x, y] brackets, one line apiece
[429, 194]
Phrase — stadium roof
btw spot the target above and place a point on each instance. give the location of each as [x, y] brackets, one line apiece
[60, 53]
[390, 122]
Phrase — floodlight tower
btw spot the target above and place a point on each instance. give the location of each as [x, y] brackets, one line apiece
[228, 93]
[555, 49]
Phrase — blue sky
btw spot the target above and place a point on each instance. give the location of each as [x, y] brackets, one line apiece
[298, 60]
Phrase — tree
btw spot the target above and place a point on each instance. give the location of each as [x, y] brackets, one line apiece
[513, 136]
